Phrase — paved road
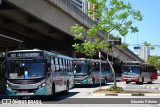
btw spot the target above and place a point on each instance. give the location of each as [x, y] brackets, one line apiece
[85, 92]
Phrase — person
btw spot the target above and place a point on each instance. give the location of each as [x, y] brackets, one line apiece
[130, 70]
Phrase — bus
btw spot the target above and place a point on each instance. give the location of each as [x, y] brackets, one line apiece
[87, 71]
[133, 71]
[37, 72]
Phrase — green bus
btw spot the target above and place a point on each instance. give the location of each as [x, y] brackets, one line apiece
[37, 72]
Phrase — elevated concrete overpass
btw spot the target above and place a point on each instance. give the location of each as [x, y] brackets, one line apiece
[45, 24]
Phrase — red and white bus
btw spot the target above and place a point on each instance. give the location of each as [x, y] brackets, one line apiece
[133, 71]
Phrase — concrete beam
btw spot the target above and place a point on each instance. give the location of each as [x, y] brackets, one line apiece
[51, 14]
[23, 31]
[29, 22]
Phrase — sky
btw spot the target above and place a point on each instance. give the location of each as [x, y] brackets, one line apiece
[149, 27]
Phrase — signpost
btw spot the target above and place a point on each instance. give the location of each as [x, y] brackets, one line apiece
[100, 69]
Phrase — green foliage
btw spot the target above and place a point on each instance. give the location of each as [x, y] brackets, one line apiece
[77, 31]
[90, 48]
[149, 45]
[153, 60]
[123, 46]
[115, 17]
[117, 89]
[146, 44]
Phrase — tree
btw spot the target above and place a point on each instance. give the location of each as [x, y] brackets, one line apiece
[114, 18]
[153, 60]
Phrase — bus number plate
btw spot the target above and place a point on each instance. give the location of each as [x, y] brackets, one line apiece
[24, 91]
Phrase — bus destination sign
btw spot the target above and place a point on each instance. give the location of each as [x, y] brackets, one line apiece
[25, 54]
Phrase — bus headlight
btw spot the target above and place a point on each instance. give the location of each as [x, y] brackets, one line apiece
[8, 87]
[42, 85]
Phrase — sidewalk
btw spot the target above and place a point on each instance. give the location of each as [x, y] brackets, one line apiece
[155, 86]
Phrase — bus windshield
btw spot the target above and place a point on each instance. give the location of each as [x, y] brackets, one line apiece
[131, 70]
[81, 68]
[23, 69]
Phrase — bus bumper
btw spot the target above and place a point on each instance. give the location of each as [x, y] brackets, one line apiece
[81, 82]
[41, 91]
[130, 79]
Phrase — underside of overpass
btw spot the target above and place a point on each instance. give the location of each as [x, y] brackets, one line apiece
[45, 24]
[19, 30]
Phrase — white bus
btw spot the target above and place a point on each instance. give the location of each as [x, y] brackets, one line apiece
[87, 71]
[37, 72]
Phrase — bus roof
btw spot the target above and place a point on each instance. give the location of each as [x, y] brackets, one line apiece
[90, 60]
[55, 54]
[131, 62]
[31, 50]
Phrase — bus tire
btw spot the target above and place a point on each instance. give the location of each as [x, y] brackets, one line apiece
[67, 88]
[127, 82]
[105, 81]
[142, 81]
[50, 97]
[149, 82]
[93, 81]
[53, 89]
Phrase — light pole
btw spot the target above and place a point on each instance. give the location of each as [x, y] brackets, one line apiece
[100, 69]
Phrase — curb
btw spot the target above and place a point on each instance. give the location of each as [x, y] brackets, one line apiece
[126, 94]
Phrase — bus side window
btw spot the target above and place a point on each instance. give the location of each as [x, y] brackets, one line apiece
[71, 68]
[48, 61]
[66, 62]
[53, 64]
[57, 64]
[60, 64]
[64, 65]
[69, 65]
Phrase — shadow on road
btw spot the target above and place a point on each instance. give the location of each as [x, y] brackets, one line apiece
[91, 86]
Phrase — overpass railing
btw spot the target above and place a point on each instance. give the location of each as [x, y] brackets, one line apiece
[75, 12]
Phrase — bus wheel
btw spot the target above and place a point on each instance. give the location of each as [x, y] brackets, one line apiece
[127, 82]
[67, 88]
[142, 81]
[50, 97]
[149, 82]
[93, 82]
[53, 89]
[105, 81]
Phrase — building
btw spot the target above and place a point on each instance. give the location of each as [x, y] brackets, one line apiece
[144, 52]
